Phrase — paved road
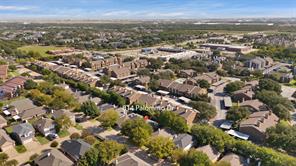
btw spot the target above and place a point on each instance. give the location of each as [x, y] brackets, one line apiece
[216, 99]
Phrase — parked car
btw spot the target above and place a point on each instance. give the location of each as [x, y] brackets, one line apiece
[52, 136]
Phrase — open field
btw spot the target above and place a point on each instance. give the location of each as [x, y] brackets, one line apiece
[40, 49]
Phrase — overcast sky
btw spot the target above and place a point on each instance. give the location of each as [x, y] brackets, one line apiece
[146, 9]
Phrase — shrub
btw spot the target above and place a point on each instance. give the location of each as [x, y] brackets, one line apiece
[75, 136]
[54, 144]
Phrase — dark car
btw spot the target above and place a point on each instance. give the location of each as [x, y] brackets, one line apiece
[52, 136]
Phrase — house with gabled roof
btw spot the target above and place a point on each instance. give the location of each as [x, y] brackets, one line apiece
[6, 142]
[53, 157]
[257, 123]
[23, 133]
[75, 149]
[45, 126]
[184, 141]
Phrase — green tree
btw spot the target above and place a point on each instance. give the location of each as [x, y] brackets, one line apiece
[90, 158]
[282, 136]
[63, 122]
[237, 113]
[270, 85]
[101, 153]
[233, 86]
[89, 108]
[160, 147]
[143, 72]
[105, 80]
[195, 158]
[137, 130]
[3, 158]
[62, 99]
[155, 63]
[108, 118]
[206, 111]
[272, 99]
[203, 83]
[117, 99]
[172, 121]
[90, 139]
[282, 112]
[30, 84]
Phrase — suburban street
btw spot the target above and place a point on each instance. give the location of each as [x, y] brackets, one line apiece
[216, 99]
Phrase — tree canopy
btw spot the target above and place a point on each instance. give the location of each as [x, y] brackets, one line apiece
[89, 108]
[160, 147]
[206, 111]
[101, 153]
[237, 113]
[137, 130]
[270, 85]
[172, 121]
[194, 158]
[233, 86]
[108, 118]
[282, 136]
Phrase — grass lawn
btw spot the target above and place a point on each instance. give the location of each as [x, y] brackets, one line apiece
[78, 127]
[63, 133]
[20, 148]
[42, 140]
[9, 129]
[41, 49]
[292, 83]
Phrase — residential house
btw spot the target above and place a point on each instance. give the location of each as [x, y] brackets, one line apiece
[6, 142]
[234, 159]
[142, 80]
[126, 117]
[254, 105]
[25, 109]
[259, 63]
[184, 141]
[210, 151]
[163, 133]
[12, 87]
[45, 126]
[62, 112]
[147, 99]
[3, 122]
[113, 135]
[137, 158]
[182, 89]
[210, 77]
[135, 64]
[67, 72]
[189, 115]
[23, 133]
[187, 73]
[244, 94]
[130, 95]
[52, 157]
[106, 107]
[257, 123]
[75, 149]
[3, 72]
[150, 100]
[130, 159]
[120, 73]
